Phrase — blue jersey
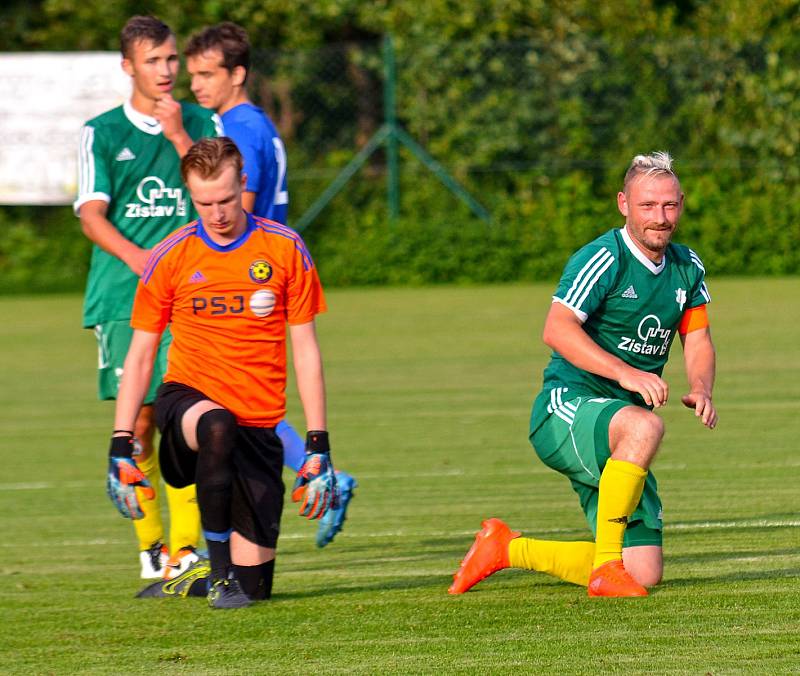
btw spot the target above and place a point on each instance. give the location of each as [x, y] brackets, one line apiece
[264, 159]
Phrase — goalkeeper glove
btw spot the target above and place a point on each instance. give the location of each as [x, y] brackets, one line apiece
[316, 481]
[123, 477]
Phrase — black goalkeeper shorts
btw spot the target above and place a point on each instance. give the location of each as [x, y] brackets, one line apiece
[258, 488]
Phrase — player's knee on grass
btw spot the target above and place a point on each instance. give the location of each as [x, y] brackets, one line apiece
[645, 563]
[635, 435]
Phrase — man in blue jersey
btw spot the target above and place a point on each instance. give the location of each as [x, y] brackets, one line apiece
[218, 59]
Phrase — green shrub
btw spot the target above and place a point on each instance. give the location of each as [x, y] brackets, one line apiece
[737, 226]
[41, 250]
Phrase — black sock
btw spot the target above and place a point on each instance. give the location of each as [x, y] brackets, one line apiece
[219, 555]
[216, 435]
[256, 580]
[249, 578]
[267, 571]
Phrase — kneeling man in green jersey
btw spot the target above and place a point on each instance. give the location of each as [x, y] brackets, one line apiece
[621, 300]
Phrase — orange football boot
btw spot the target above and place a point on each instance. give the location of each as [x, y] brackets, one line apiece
[488, 554]
[611, 579]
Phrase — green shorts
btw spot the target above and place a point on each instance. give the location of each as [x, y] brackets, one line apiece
[113, 340]
[571, 437]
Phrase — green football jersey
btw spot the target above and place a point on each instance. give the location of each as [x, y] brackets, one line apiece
[629, 306]
[125, 160]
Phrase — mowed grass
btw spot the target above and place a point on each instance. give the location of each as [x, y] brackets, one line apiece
[429, 396]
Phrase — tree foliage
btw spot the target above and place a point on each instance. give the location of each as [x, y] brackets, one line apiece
[536, 106]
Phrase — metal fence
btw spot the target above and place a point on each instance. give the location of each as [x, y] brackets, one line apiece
[481, 115]
[533, 136]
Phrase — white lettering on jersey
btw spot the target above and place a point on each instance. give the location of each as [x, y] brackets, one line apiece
[149, 191]
[649, 330]
[280, 196]
[140, 211]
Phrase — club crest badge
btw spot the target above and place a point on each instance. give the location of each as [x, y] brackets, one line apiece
[680, 298]
[260, 272]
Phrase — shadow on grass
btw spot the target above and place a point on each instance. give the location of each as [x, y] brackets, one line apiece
[405, 583]
[513, 577]
[504, 581]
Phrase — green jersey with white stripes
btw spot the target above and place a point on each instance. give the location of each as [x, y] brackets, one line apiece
[125, 160]
[629, 306]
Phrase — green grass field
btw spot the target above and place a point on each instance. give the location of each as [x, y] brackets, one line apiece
[429, 391]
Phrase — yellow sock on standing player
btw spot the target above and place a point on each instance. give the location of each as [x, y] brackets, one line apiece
[149, 529]
[184, 518]
[568, 561]
[621, 486]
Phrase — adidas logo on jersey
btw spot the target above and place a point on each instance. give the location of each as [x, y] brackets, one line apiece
[630, 292]
[125, 154]
[197, 277]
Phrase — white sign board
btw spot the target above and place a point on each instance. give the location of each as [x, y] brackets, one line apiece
[44, 100]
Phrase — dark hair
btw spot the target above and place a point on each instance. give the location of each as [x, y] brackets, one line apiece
[208, 156]
[143, 28]
[227, 37]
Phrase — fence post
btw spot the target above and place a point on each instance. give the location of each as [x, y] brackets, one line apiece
[390, 120]
[392, 134]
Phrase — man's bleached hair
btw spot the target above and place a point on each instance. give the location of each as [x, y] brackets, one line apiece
[658, 163]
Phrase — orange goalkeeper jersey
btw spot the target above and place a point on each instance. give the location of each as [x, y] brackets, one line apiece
[228, 307]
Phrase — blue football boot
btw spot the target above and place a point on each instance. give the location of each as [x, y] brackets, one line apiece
[227, 594]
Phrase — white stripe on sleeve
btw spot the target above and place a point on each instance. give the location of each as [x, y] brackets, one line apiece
[583, 274]
[696, 260]
[86, 168]
[602, 266]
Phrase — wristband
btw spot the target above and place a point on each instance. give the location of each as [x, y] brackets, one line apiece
[317, 442]
[121, 447]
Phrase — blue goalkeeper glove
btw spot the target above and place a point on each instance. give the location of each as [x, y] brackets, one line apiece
[316, 481]
[124, 476]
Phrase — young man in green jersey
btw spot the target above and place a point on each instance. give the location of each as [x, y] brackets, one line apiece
[620, 302]
[130, 197]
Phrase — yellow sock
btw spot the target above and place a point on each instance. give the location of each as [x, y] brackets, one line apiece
[568, 561]
[149, 529]
[184, 518]
[621, 485]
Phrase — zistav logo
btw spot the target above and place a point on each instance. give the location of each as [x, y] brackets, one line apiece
[152, 190]
[652, 338]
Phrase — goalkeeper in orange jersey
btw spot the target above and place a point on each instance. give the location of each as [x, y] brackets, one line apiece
[218, 59]
[227, 284]
[621, 301]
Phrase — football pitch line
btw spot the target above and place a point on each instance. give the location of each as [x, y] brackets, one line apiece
[401, 533]
[429, 474]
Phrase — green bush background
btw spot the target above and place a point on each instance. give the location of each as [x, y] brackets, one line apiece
[535, 107]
